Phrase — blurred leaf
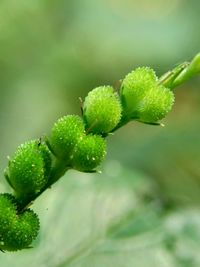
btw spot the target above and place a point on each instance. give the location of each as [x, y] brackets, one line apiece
[109, 220]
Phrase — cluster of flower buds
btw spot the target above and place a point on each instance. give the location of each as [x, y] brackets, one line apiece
[70, 143]
[143, 98]
[17, 230]
[78, 143]
[27, 173]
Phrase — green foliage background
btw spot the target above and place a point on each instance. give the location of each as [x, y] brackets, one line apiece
[143, 210]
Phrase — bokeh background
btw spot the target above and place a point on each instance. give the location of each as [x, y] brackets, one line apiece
[143, 210]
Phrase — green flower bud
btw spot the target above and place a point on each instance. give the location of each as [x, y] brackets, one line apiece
[156, 104]
[142, 97]
[89, 153]
[24, 231]
[65, 134]
[102, 110]
[7, 212]
[17, 231]
[134, 88]
[29, 169]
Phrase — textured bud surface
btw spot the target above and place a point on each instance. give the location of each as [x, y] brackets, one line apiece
[29, 168]
[7, 212]
[65, 134]
[156, 104]
[89, 153]
[23, 231]
[102, 110]
[134, 87]
[17, 231]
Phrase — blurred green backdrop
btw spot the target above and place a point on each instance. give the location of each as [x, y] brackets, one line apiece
[143, 209]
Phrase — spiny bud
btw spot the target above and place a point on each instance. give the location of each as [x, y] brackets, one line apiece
[17, 231]
[156, 104]
[89, 153]
[23, 231]
[7, 211]
[134, 88]
[143, 98]
[29, 169]
[102, 110]
[65, 134]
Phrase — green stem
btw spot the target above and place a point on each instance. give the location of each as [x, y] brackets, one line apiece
[59, 169]
[123, 122]
[181, 73]
[191, 70]
[169, 77]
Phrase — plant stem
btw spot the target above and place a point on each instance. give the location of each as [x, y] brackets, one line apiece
[169, 77]
[191, 70]
[181, 73]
